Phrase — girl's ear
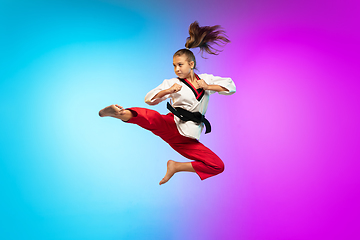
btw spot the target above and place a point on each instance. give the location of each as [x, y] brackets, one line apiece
[192, 64]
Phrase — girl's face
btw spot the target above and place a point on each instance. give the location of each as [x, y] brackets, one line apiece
[182, 67]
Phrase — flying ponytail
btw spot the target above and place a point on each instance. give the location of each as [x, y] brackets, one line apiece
[204, 37]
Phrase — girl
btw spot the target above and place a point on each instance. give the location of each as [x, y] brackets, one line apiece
[190, 93]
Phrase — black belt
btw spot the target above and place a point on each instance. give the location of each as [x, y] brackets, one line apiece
[186, 115]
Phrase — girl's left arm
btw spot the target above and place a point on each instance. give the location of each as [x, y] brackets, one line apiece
[213, 87]
[224, 86]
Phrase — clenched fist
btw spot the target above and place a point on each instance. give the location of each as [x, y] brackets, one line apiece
[202, 84]
[175, 88]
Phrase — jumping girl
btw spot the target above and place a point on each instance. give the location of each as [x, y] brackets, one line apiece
[190, 92]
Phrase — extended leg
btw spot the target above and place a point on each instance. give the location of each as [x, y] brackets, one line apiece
[116, 111]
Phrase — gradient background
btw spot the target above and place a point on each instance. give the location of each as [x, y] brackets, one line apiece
[289, 137]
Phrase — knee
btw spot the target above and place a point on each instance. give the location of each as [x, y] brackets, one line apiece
[220, 167]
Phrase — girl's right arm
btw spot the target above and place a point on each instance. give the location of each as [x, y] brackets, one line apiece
[162, 92]
[173, 89]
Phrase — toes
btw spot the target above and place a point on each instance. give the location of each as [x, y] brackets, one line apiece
[118, 106]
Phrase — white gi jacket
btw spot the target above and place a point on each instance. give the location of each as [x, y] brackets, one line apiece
[190, 99]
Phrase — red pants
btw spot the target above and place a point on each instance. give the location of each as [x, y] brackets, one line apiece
[206, 163]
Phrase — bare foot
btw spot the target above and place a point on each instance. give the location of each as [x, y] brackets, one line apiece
[171, 170]
[111, 111]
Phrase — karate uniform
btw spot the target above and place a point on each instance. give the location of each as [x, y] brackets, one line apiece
[181, 135]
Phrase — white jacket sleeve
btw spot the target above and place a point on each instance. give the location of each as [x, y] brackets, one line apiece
[165, 85]
[223, 82]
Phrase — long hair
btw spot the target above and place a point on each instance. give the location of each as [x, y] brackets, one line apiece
[204, 38]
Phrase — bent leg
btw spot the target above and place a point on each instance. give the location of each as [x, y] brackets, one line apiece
[206, 164]
[174, 167]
